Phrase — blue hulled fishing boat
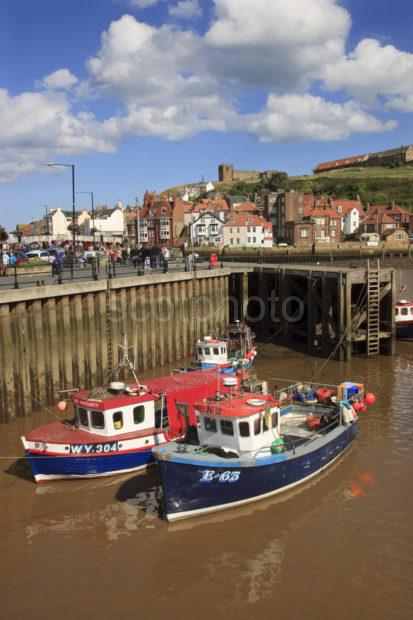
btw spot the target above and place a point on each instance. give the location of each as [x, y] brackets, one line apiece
[252, 446]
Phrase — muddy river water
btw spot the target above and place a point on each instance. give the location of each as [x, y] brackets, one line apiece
[340, 546]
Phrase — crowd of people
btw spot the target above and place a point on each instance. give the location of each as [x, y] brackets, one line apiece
[61, 255]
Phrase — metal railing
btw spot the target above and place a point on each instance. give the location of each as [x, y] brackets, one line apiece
[90, 270]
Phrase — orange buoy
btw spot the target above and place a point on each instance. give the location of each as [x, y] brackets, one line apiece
[62, 405]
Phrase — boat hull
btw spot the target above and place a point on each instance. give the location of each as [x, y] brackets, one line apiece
[404, 332]
[191, 489]
[53, 467]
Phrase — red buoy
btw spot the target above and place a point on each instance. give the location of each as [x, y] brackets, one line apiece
[363, 408]
[357, 405]
[370, 398]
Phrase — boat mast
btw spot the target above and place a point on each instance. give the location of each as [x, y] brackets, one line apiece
[125, 362]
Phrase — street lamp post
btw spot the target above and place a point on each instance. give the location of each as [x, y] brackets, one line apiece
[72, 166]
[138, 219]
[93, 212]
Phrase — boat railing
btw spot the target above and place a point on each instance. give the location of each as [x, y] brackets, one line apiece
[292, 388]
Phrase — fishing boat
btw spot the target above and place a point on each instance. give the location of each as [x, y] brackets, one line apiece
[253, 446]
[233, 351]
[404, 319]
[114, 429]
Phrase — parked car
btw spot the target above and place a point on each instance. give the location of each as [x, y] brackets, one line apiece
[43, 255]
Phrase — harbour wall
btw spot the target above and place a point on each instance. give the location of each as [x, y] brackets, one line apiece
[55, 338]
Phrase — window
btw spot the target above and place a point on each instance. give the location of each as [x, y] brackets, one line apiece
[83, 419]
[405, 311]
[227, 427]
[237, 230]
[216, 350]
[232, 241]
[118, 420]
[274, 417]
[333, 233]
[96, 419]
[244, 429]
[230, 230]
[248, 228]
[223, 348]
[199, 350]
[210, 425]
[138, 414]
[254, 239]
[304, 232]
[207, 351]
[399, 236]
[253, 229]
[164, 210]
[257, 426]
[237, 241]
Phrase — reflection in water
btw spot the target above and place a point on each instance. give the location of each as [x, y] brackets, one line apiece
[351, 523]
[255, 577]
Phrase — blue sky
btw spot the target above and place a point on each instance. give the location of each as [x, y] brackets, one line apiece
[145, 94]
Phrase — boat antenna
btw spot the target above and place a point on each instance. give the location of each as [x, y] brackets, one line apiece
[125, 362]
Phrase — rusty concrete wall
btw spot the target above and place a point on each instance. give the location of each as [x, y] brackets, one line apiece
[60, 337]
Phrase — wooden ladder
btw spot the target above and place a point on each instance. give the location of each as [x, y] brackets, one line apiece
[108, 318]
[373, 311]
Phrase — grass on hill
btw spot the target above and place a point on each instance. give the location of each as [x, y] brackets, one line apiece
[373, 185]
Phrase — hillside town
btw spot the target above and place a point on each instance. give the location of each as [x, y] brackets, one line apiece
[200, 215]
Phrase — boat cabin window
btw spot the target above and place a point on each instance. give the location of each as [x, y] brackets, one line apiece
[244, 429]
[222, 349]
[207, 351]
[227, 427]
[210, 425]
[83, 419]
[118, 420]
[405, 311]
[97, 419]
[216, 350]
[200, 352]
[274, 419]
[139, 414]
[257, 426]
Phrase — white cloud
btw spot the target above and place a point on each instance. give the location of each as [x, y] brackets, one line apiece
[173, 83]
[59, 80]
[186, 9]
[277, 44]
[142, 4]
[35, 125]
[373, 70]
[305, 117]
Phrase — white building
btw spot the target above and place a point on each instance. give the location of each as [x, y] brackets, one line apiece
[57, 222]
[247, 230]
[206, 229]
[350, 222]
[109, 221]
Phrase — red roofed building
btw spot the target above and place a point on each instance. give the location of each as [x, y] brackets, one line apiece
[245, 207]
[400, 216]
[340, 163]
[379, 222]
[247, 230]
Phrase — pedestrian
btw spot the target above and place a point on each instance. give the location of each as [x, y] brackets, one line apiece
[6, 263]
[165, 258]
